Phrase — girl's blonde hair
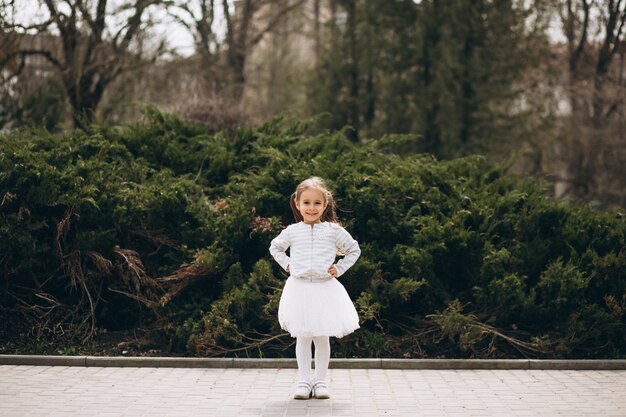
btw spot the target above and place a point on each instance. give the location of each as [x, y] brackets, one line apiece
[314, 183]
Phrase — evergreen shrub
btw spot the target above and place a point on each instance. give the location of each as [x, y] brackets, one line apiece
[162, 226]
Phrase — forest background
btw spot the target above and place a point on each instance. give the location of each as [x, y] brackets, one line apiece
[131, 229]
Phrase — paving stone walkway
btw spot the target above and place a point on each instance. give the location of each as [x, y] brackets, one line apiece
[55, 391]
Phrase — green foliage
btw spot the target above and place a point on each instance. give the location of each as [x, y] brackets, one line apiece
[560, 291]
[243, 314]
[459, 328]
[159, 224]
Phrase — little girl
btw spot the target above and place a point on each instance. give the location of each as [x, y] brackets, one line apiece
[314, 305]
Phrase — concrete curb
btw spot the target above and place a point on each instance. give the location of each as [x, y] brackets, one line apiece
[116, 361]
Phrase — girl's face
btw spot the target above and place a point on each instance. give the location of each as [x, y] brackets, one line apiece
[311, 205]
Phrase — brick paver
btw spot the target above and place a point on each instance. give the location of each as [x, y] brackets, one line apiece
[31, 391]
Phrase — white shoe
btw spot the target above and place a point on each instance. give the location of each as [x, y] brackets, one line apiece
[320, 390]
[304, 391]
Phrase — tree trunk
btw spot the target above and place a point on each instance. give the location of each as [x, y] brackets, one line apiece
[354, 113]
[432, 134]
[467, 88]
[317, 29]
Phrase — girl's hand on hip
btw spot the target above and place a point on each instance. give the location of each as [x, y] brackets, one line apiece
[332, 271]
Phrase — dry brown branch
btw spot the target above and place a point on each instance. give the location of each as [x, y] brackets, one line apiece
[486, 330]
[144, 288]
[132, 269]
[103, 265]
[179, 280]
[259, 224]
[143, 300]
[72, 265]
[78, 278]
[7, 198]
[36, 310]
[247, 342]
[520, 345]
[62, 228]
[158, 240]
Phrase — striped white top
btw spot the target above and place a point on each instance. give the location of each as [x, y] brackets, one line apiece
[313, 249]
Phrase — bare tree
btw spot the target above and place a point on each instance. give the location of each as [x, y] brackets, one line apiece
[199, 18]
[246, 24]
[90, 43]
[594, 32]
[613, 18]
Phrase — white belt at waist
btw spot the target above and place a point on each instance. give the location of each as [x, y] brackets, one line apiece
[314, 277]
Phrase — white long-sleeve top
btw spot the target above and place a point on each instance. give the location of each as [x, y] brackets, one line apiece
[313, 249]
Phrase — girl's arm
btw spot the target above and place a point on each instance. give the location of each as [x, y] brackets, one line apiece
[350, 248]
[278, 247]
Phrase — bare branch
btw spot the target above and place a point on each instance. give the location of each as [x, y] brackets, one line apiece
[576, 53]
[584, 31]
[134, 22]
[55, 15]
[618, 35]
[30, 52]
[242, 31]
[85, 13]
[100, 18]
[229, 23]
[275, 21]
[199, 25]
[204, 24]
[611, 39]
[217, 349]
[181, 20]
[39, 27]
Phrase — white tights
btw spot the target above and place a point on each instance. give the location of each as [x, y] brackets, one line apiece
[303, 356]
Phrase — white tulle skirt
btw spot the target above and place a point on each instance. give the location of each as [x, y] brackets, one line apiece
[309, 309]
